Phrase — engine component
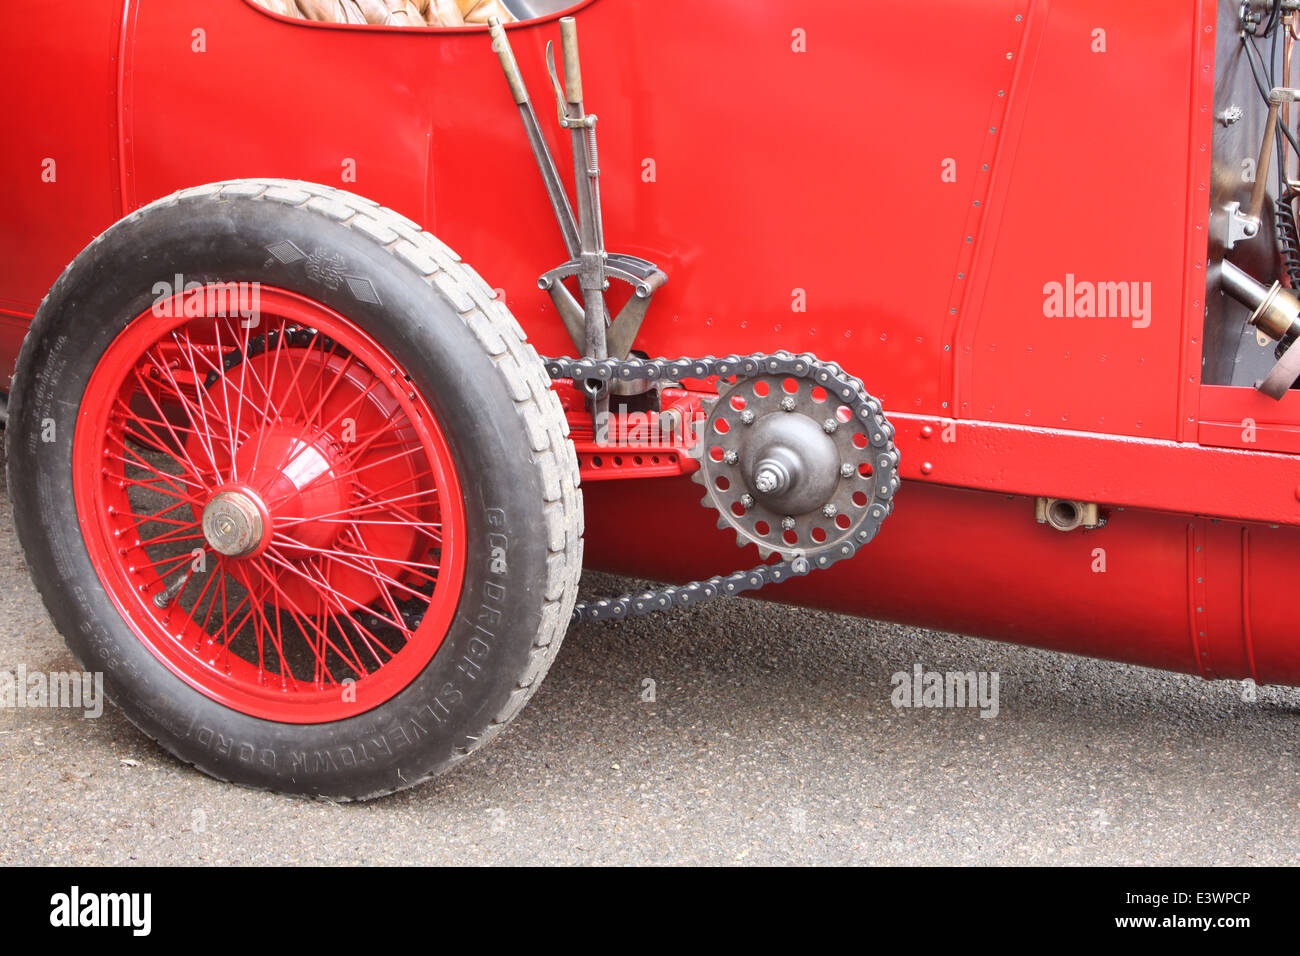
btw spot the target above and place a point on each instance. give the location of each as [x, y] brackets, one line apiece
[1288, 239]
[1276, 314]
[782, 459]
[1245, 225]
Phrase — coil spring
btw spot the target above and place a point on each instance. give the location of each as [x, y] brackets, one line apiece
[1288, 240]
[593, 161]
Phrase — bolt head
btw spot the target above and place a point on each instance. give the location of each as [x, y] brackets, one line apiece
[747, 417]
[730, 456]
[787, 403]
[787, 523]
[830, 425]
[829, 510]
[747, 500]
[846, 470]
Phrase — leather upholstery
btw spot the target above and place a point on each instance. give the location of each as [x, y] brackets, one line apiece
[393, 13]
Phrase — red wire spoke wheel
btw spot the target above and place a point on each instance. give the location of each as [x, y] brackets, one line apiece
[275, 512]
[290, 477]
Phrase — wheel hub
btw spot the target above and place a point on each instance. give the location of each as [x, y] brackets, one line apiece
[303, 481]
[232, 523]
[791, 465]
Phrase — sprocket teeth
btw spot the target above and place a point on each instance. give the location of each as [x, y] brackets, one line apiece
[723, 524]
[697, 476]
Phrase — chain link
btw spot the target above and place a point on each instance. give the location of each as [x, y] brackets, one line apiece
[845, 388]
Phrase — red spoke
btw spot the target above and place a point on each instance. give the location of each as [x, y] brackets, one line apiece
[150, 487]
[323, 430]
[385, 593]
[203, 430]
[364, 633]
[388, 504]
[170, 537]
[286, 540]
[273, 633]
[225, 401]
[317, 652]
[141, 520]
[338, 556]
[272, 410]
[325, 593]
[175, 559]
[198, 601]
[144, 465]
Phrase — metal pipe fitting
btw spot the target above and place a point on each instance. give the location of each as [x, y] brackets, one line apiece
[1275, 311]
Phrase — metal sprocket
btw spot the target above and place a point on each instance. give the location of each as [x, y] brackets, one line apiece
[727, 463]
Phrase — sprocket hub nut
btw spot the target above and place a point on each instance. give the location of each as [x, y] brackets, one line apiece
[789, 463]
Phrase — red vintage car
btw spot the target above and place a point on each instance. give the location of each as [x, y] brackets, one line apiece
[975, 314]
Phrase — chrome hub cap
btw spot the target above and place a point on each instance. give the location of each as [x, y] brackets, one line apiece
[232, 524]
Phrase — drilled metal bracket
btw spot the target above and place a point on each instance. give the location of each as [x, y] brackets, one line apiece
[645, 278]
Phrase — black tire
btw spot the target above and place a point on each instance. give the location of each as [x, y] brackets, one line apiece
[468, 358]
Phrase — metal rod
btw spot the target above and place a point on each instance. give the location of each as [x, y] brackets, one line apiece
[591, 274]
[1265, 157]
[532, 129]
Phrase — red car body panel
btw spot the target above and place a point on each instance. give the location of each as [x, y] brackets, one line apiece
[832, 179]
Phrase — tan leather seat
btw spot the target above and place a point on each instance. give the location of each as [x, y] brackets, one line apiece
[393, 13]
[475, 11]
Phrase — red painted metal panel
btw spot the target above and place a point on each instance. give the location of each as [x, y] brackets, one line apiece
[58, 167]
[1161, 475]
[1089, 164]
[253, 94]
[762, 174]
[1245, 418]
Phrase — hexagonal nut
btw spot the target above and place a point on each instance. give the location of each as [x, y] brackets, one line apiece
[829, 510]
[846, 470]
[747, 417]
[747, 500]
[830, 425]
[730, 456]
[788, 403]
[787, 523]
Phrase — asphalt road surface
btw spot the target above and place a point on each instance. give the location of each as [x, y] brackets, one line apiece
[770, 738]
